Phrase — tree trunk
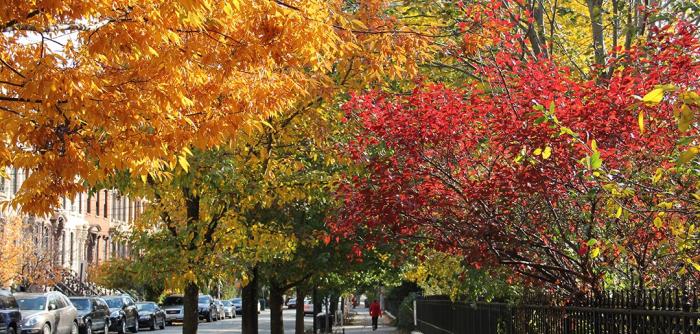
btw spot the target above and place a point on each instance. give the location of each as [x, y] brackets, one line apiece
[250, 304]
[191, 316]
[276, 303]
[595, 9]
[299, 321]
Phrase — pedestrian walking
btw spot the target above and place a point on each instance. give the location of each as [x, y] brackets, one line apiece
[375, 311]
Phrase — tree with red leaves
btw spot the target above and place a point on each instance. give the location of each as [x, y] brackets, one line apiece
[572, 182]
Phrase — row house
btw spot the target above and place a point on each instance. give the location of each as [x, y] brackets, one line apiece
[83, 231]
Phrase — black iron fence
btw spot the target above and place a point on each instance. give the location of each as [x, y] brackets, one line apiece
[628, 312]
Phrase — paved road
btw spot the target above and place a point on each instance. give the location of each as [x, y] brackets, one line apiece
[233, 326]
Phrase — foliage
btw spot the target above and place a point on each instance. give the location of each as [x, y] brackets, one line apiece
[538, 168]
[446, 275]
[10, 253]
[404, 318]
[125, 274]
[90, 87]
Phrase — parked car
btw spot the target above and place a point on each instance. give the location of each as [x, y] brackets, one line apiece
[229, 309]
[207, 309]
[123, 314]
[221, 312]
[238, 304]
[47, 313]
[308, 307]
[292, 303]
[93, 314]
[10, 316]
[150, 315]
[174, 308]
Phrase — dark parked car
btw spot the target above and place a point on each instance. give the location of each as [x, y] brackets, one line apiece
[207, 309]
[123, 314]
[174, 308]
[238, 305]
[292, 303]
[150, 315]
[10, 317]
[93, 314]
[47, 313]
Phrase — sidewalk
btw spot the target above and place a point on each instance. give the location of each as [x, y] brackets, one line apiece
[361, 323]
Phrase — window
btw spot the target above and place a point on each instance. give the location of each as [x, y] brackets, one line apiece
[114, 207]
[63, 248]
[2, 184]
[104, 211]
[97, 204]
[65, 203]
[80, 203]
[89, 203]
[106, 245]
[15, 186]
[71, 248]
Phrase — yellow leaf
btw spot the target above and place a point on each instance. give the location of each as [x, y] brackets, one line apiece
[695, 265]
[658, 222]
[537, 151]
[640, 120]
[654, 97]
[595, 252]
[182, 160]
[618, 214]
[547, 153]
[688, 155]
[594, 145]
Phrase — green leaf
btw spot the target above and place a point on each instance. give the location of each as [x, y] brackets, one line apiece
[596, 162]
[592, 242]
[654, 97]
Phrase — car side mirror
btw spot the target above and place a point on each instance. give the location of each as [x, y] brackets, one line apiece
[52, 307]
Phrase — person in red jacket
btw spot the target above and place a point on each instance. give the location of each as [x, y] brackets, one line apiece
[375, 311]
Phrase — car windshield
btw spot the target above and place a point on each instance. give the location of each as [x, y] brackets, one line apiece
[173, 300]
[81, 304]
[236, 300]
[204, 300]
[145, 307]
[227, 303]
[32, 303]
[114, 302]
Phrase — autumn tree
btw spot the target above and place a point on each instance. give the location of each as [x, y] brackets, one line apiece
[93, 87]
[568, 180]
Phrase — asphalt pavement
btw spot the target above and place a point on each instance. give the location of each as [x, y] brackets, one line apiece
[233, 326]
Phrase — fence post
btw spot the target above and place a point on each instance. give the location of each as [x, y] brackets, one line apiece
[415, 313]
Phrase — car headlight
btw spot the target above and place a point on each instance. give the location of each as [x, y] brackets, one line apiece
[115, 314]
[29, 322]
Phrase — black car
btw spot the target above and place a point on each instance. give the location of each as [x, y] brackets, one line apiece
[123, 314]
[150, 315]
[206, 307]
[93, 314]
[10, 318]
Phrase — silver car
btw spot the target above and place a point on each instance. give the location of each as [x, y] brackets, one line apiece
[174, 309]
[229, 309]
[47, 313]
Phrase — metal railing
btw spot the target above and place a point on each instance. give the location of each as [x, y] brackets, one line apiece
[627, 312]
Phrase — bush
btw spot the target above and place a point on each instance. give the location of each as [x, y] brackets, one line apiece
[404, 320]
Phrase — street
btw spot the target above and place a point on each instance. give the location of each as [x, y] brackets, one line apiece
[232, 326]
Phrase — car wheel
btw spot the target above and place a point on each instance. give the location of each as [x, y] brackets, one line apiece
[162, 324]
[153, 324]
[46, 329]
[135, 329]
[74, 328]
[209, 317]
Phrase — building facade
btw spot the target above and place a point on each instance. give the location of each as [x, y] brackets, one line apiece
[82, 232]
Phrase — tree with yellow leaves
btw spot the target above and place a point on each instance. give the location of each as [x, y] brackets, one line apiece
[89, 87]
